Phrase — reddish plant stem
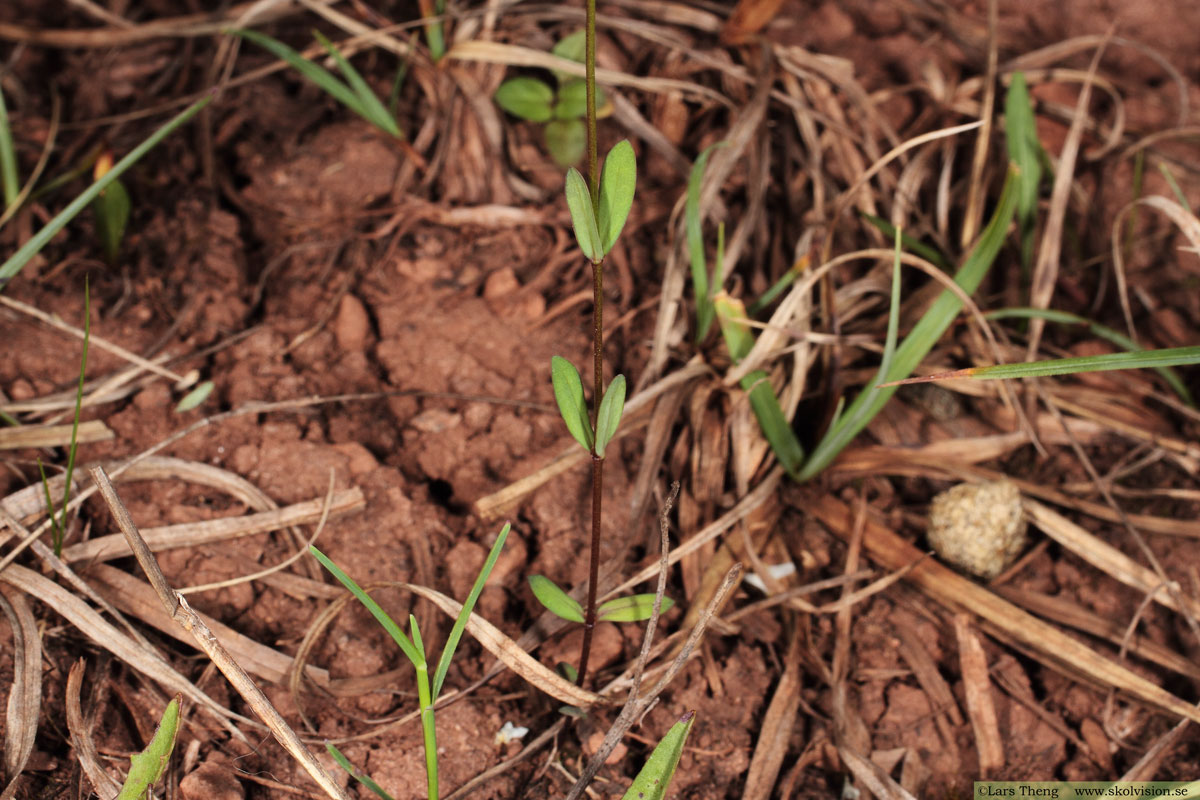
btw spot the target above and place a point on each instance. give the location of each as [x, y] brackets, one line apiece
[589, 620]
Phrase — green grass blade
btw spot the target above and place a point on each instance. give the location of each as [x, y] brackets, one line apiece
[112, 208]
[695, 239]
[609, 416]
[919, 341]
[460, 623]
[652, 782]
[911, 244]
[322, 77]
[1179, 195]
[556, 601]
[434, 35]
[418, 642]
[361, 777]
[87, 338]
[147, 767]
[380, 615]
[39, 240]
[1024, 150]
[738, 338]
[373, 109]
[8, 159]
[1167, 357]
[56, 533]
[1098, 330]
[775, 427]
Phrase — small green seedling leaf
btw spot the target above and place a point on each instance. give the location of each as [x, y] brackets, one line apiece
[631, 608]
[568, 392]
[195, 397]
[8, 158]
[555, 599]
[572, 100]
[731, 313]
[609, 417]
[380, 615]
[568, 671]
[651, 783]
[361, 777]
[19, 259]
[618, 180]
[147, 767]
[572, 47]
[527, 98]
[566, 139]
[111, 208]
[583, 216]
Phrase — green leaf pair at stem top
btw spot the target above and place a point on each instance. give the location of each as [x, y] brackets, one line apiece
[597, 227]
[568, 392]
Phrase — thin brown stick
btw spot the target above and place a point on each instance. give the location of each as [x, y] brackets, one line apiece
[177, 606]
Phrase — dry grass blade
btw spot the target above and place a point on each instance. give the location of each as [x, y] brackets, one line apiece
[952, 590]
[189, 534]
[872, 776]
[1104, 556]
[776, 729]
[103, 784]
[978, 687]
[53, 435]
[177, 607]
[98, 629]
[1187, 223]
[25, 696]
[1045, 271]
[137, 598]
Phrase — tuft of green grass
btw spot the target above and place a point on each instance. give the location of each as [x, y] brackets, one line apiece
[414, 649]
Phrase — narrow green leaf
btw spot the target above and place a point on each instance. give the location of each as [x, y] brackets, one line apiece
[893, 326]
[1167, 357]
[373, 109]
[418, 643]
[566, 139]
[555, 599]
[609, 417]
[618, 181]
[631, 608]
[460, 622]
[8, 159]
[1024, 150]
[39, 240]
[1180, 197]
[147, 767]
[434, 34]
[568, 393]
[775, 427]
[111, 208]
[695, 239]
[919, 340]
[322, 77]
[912, 245]
[195, 397]
[527, 98]
[1102, 331]
[583, 216]
[380, 615]
[652, 782]
[763, 401]
[361, 777]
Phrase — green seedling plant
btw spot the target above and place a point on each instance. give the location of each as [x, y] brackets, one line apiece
[561, 107]
[147, 767]
[413, 648]
[111, 207]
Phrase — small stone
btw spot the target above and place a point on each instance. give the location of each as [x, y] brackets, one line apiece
[352, 325]
[978, 526]
[212, 781]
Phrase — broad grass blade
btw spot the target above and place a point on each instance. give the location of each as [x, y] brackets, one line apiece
[695, 239]
[361, 777]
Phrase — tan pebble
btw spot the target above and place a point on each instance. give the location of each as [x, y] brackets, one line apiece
[212, 781]
[351, 326]
[978, 527]
[500, 283]
[435, 420]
